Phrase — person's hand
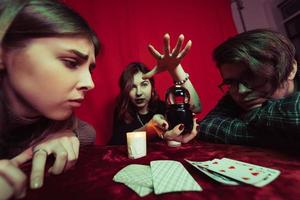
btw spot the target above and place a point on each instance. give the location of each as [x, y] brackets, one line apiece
[63, 145]
[175, 133]
[12, 180]
[170, 59]
[250, 101]
[157, 125]
[254, 103]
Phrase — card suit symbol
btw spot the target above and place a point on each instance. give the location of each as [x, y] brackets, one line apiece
[255, 173]
[231, 167]
[245, 178]
[222, 170]
[215, 163]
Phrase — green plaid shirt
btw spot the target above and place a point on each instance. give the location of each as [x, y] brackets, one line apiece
[275, 123]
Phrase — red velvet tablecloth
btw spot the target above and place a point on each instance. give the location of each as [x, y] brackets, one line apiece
[93, 174]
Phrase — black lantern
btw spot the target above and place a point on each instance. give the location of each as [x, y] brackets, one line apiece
[178, 108]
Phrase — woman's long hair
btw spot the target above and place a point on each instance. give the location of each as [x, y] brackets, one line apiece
[22, 20]
[125, 110]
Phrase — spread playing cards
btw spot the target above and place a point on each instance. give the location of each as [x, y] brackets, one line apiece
[233, 172]
[164, 176]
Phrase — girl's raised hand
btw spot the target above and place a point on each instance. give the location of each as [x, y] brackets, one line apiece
[169, 60]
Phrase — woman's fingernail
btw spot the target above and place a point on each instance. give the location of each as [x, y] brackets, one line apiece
[36, 183]
[181, 127]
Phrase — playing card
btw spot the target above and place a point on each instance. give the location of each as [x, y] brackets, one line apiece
[136, 177]
[272, 173]
[215, 176]
[232, 170]
[140, 190]
[205, 164]
[171, 176]
[135, 174]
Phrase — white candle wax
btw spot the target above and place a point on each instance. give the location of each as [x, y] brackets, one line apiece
[136, 144]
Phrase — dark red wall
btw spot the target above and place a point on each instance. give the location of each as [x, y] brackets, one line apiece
[126, 27]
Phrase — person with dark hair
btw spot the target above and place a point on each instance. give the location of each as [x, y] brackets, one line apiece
[139, 107]
[47, 53]
[261, 102]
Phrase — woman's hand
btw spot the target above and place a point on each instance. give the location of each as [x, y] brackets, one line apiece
[157, 125]
[170, 59]
[12, 180]
[175, 133]
[63, 145]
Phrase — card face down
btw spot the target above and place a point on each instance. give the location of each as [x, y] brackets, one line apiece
[135, 174]
[171, 176]
[137, 177]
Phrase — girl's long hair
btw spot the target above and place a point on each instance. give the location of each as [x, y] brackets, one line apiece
[22, 20]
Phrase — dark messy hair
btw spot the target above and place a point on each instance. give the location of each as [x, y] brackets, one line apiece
[22, 20]
[266, 53]
[125, 110]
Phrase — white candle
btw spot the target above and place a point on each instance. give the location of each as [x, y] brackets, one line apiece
[136, 144]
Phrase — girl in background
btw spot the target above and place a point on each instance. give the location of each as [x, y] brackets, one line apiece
[139, 107]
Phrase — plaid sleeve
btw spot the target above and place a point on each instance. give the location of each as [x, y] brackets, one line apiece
[283, 113]
[276, 122]
[224, 125]
[280, 120]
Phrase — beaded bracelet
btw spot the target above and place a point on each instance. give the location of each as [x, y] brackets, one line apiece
[182, 81]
